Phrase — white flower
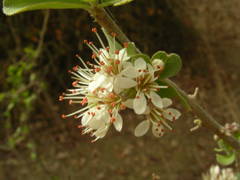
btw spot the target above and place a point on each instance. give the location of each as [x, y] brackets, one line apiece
[105, 87]
[215, 173]
[158, 118]
[146, 87]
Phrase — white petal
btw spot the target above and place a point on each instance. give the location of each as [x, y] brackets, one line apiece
[171, 114]
[150, 69]
[166, 102]
[156, 99]
[98, 80]
[140, 104]
[100, 133]
[118, 123]
[129, 103]
[130, 71]
[140, 63]
[123, 55]
[124, 83]
[142, 128]
[157, 130]
[85, 119]
[104, 56]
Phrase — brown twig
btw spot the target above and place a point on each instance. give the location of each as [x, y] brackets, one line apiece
[104, 20]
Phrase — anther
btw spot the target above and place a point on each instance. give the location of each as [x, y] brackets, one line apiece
[102, 63]
[125, 44]
[94, 30]
[75, 83]
[117, 61]
[113, 104]
[94, 56]
[122, 107]
[97, 69]
[116, 51]
[113, 34]
[113, 119]
[85, 41]
[75, 68]
[63, 116]
[61, 98]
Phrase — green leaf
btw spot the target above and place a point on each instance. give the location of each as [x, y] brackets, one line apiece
[173, 63]
[11, 7]
[122, 2]
[131, 49]
[160, 55]
[226, 160]
[145, 57]
[171, 92]
[105, 3]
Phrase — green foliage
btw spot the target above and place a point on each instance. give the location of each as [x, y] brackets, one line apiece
[11, 7]
[122, 2]
[228, 154]
[143, 56]
[173, 63]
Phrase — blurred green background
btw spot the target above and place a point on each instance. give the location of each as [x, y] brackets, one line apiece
[37, 49]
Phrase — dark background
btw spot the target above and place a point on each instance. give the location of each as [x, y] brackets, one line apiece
[37, 144]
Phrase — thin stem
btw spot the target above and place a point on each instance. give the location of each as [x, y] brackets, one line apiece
[42, 33]
[104, 20]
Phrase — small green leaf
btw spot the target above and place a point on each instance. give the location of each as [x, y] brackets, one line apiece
[226, 160]
[173, 63]
[145, 57]
[131, 49]
[11, 7]
[160, 55]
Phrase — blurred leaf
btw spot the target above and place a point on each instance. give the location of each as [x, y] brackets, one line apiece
[2, 96]
[33, 155]
[122, 2]
[11, 7]
[173, 63]
[226, 160]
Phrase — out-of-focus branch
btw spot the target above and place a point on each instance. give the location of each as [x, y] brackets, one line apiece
[104, 20]
[42, 33]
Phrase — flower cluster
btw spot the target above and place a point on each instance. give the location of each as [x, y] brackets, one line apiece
[216, 173]
[114, 82]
